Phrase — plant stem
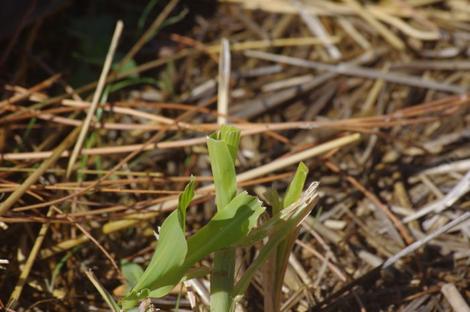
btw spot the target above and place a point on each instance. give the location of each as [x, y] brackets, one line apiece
[222, 280]
[223, 148]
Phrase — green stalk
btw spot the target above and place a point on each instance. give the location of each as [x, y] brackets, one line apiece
[222, 280]
[223, 148]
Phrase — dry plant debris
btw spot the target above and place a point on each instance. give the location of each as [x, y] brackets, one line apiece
[372, 96]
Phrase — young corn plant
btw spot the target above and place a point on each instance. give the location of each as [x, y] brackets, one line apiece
[233, 225]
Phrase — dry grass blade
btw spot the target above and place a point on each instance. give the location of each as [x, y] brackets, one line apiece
[404, 27]
[273, 43]
[372, 95]
[298, 157]
[454, 297]
[40, 86]
[104, 294]
[360, 72]
[96, 97]
[396, 222]
[169, 205]
[149, 32]
[395, 41]
[15, 295]
[130, 112]
[224, 82]
[459, 190]
[281, 6]
[402, 117]
[33, 177]
[421, 242]
[315, 26]
[134, 151]
[91, 238]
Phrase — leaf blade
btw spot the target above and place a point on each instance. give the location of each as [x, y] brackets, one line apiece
[296, 186]
[184, 200]
[163, 271]
[277, 230]
[132, 272]
[223, 171]
[231, 136]
[228, 226]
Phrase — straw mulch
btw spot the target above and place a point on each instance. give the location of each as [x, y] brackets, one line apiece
[381, 87]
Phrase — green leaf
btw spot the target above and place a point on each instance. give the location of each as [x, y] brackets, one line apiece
[274, 199]
[167, 78]
[223, 149]
[167, 259]
[225, 229]
[228, 226]
[130, 65]
[132, 272]
[278, 228]
[281, 257]
[281, 230]
[296, 186]
[175, 19]
[222, 165]
[269, 227]
[29, 127]
[184, 200]
[164, 270]
[145, 13]
[231, 136]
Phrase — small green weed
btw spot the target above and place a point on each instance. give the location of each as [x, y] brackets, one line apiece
[232, 226]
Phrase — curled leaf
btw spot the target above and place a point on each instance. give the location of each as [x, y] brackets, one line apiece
[228, 226]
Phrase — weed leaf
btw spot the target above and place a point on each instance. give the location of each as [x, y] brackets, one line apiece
[231, 136]
[221, 146]
[228, 226]
[274, 199]
[281, 258]
[184, 200]
[278, 228]
[132, 272]
[296, 186]
[164, 270]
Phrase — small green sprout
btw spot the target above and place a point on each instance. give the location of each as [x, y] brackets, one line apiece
[233, 225]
